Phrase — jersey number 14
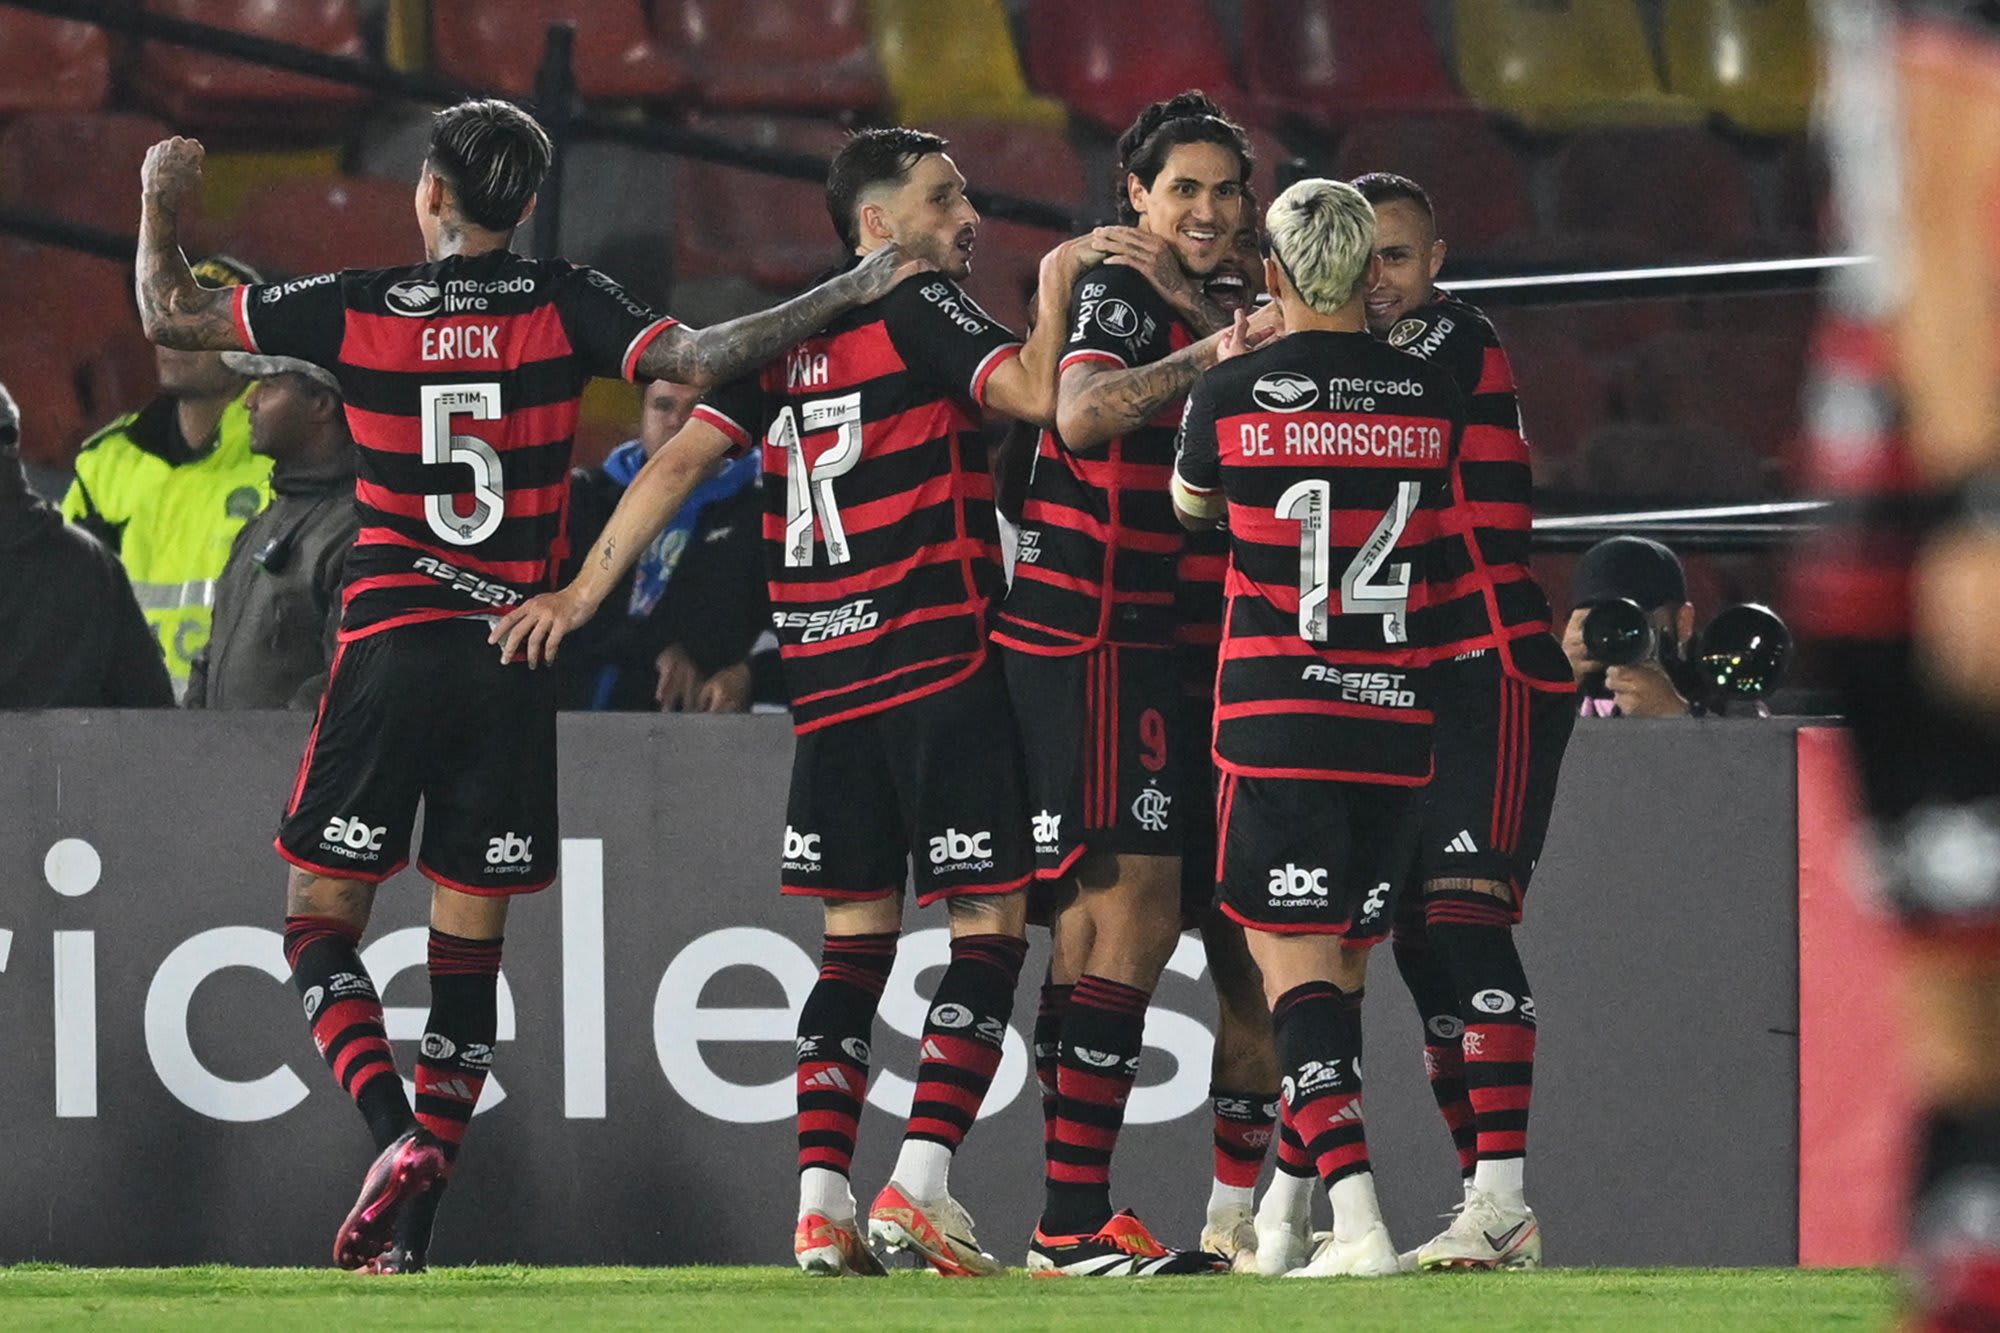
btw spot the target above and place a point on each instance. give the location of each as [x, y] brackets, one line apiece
[1369, 584]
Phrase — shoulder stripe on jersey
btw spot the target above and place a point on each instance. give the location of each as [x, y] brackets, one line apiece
[629, 363]
[1091, 354]
[723, 422]
[992, 362]
[239, 306]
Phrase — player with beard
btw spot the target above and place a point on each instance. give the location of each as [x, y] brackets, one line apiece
[882, 551]
[461, 377]
[1505, 704]
[1088, 628]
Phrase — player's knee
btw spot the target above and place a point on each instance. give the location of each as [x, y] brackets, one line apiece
[470, 916]
[343, 900]
[868, 916]
[989, 914]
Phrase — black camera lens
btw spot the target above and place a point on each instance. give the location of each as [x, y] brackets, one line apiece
[1618, 633]
[1744, 651]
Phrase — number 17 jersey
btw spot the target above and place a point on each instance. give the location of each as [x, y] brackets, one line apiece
[1332, 451]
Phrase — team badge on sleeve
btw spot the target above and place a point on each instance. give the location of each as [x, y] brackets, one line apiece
[1406, 332]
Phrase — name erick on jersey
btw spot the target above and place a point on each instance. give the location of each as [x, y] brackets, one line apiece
[1492, 600]
[461, 380]
[1333, 451]
[1095, 562]
[881, 542]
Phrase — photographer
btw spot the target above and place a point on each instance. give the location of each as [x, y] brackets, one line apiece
[1638, 570]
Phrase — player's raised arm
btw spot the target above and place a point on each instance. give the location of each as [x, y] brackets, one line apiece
[174, 309]
[1096, 402]
[537, 627]
[1024, 387]
[722, 352]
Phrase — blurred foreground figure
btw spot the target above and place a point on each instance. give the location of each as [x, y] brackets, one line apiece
[1904, 426]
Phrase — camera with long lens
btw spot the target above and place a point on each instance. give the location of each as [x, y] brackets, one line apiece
[1619, 633]
[1743, 653]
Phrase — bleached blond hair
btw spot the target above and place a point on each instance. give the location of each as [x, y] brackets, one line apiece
[1322, 235]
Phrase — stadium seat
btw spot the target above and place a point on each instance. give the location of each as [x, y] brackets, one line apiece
[1564, 395]
[1474, 180]
[1748, 61]
[1326, 61]
[195, 89]
[228, 179]
[769, 229]
[51, 64]
[290, 227]
[1745, 386]
[499, 46]
[1108, 58]
[82, 166]
[1562, 66]
[957, 61]
[43, 382]
[1647, 462]
[774, 55]
[1677, 193]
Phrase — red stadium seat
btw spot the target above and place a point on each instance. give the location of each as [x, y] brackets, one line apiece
[51, 64]
[195, 89]
[82, 166]
[769, 229]
[80, 300]
[320, 226]
[43, 383]
[1743, 385]
[1646, 462]
[1474, 180]
[1679, 193]
[1109, 58]
[1327, 61]
[1564, 395]
[775, 55]
[499, 46]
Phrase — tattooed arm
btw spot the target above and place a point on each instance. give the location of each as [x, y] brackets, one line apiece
[537, 627]
[175, 310]
[722, 352]
[1096, 403]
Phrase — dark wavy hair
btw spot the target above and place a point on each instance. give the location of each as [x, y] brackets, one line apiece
[493, 155]
[870, 158]
[1189, 117]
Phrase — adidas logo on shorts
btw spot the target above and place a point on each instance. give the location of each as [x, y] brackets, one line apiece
[1463, 843]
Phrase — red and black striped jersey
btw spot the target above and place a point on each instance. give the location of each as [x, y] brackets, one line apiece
[1198, 606]
[1333, 452]
[881, 545]
[1099, 540]
[1492, 599]
[461, 379]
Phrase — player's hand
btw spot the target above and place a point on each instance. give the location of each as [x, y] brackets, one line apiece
[1062, 266]
[1235, 339]
[1267, 323]
[537, 627]
[877, 275]
[1581, 663]
[171, 171]
[678, 688]
[727, 691]
[1645, 690]
[1152, 256]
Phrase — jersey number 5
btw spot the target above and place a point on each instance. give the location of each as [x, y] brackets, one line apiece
[810, 488]
[1369, 583]
[481, 402]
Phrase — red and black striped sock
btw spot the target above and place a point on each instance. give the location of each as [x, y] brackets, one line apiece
[1292, 1159]
[1444, 1063]
[1102, 1034]
[346, 1017]
[456, 1054]
[1048, 1049]
[1316, 1025]
[1243, 1123]
[963, 1037]
[1473, 933]
[835, 1026]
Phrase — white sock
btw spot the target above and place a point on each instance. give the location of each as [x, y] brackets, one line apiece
[1288, 1199]
[1221, 1196]
[922, 1169]
[826, 1193]
[1356, 1211]
[1501, 1179]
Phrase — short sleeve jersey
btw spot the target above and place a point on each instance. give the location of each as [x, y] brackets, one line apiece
[1098, 537]
[1332, 451]
[462, 380]
[1492, 599]
[882, 548]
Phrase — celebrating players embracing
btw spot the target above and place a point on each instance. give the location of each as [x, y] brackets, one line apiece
[883, 557]
[462, 377]
[1327, 453]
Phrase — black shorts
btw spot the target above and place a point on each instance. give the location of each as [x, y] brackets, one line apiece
[1097, 734]
[934, 783]
[1498, 748]
[1195, 746]
[427, 712]
[1307, 857]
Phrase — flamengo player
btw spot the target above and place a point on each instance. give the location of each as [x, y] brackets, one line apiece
[462, 377]
[1088, 626]
[1328, 454]
[883, 555]
[1505, 703]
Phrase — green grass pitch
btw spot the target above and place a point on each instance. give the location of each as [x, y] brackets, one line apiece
[740, 1300]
